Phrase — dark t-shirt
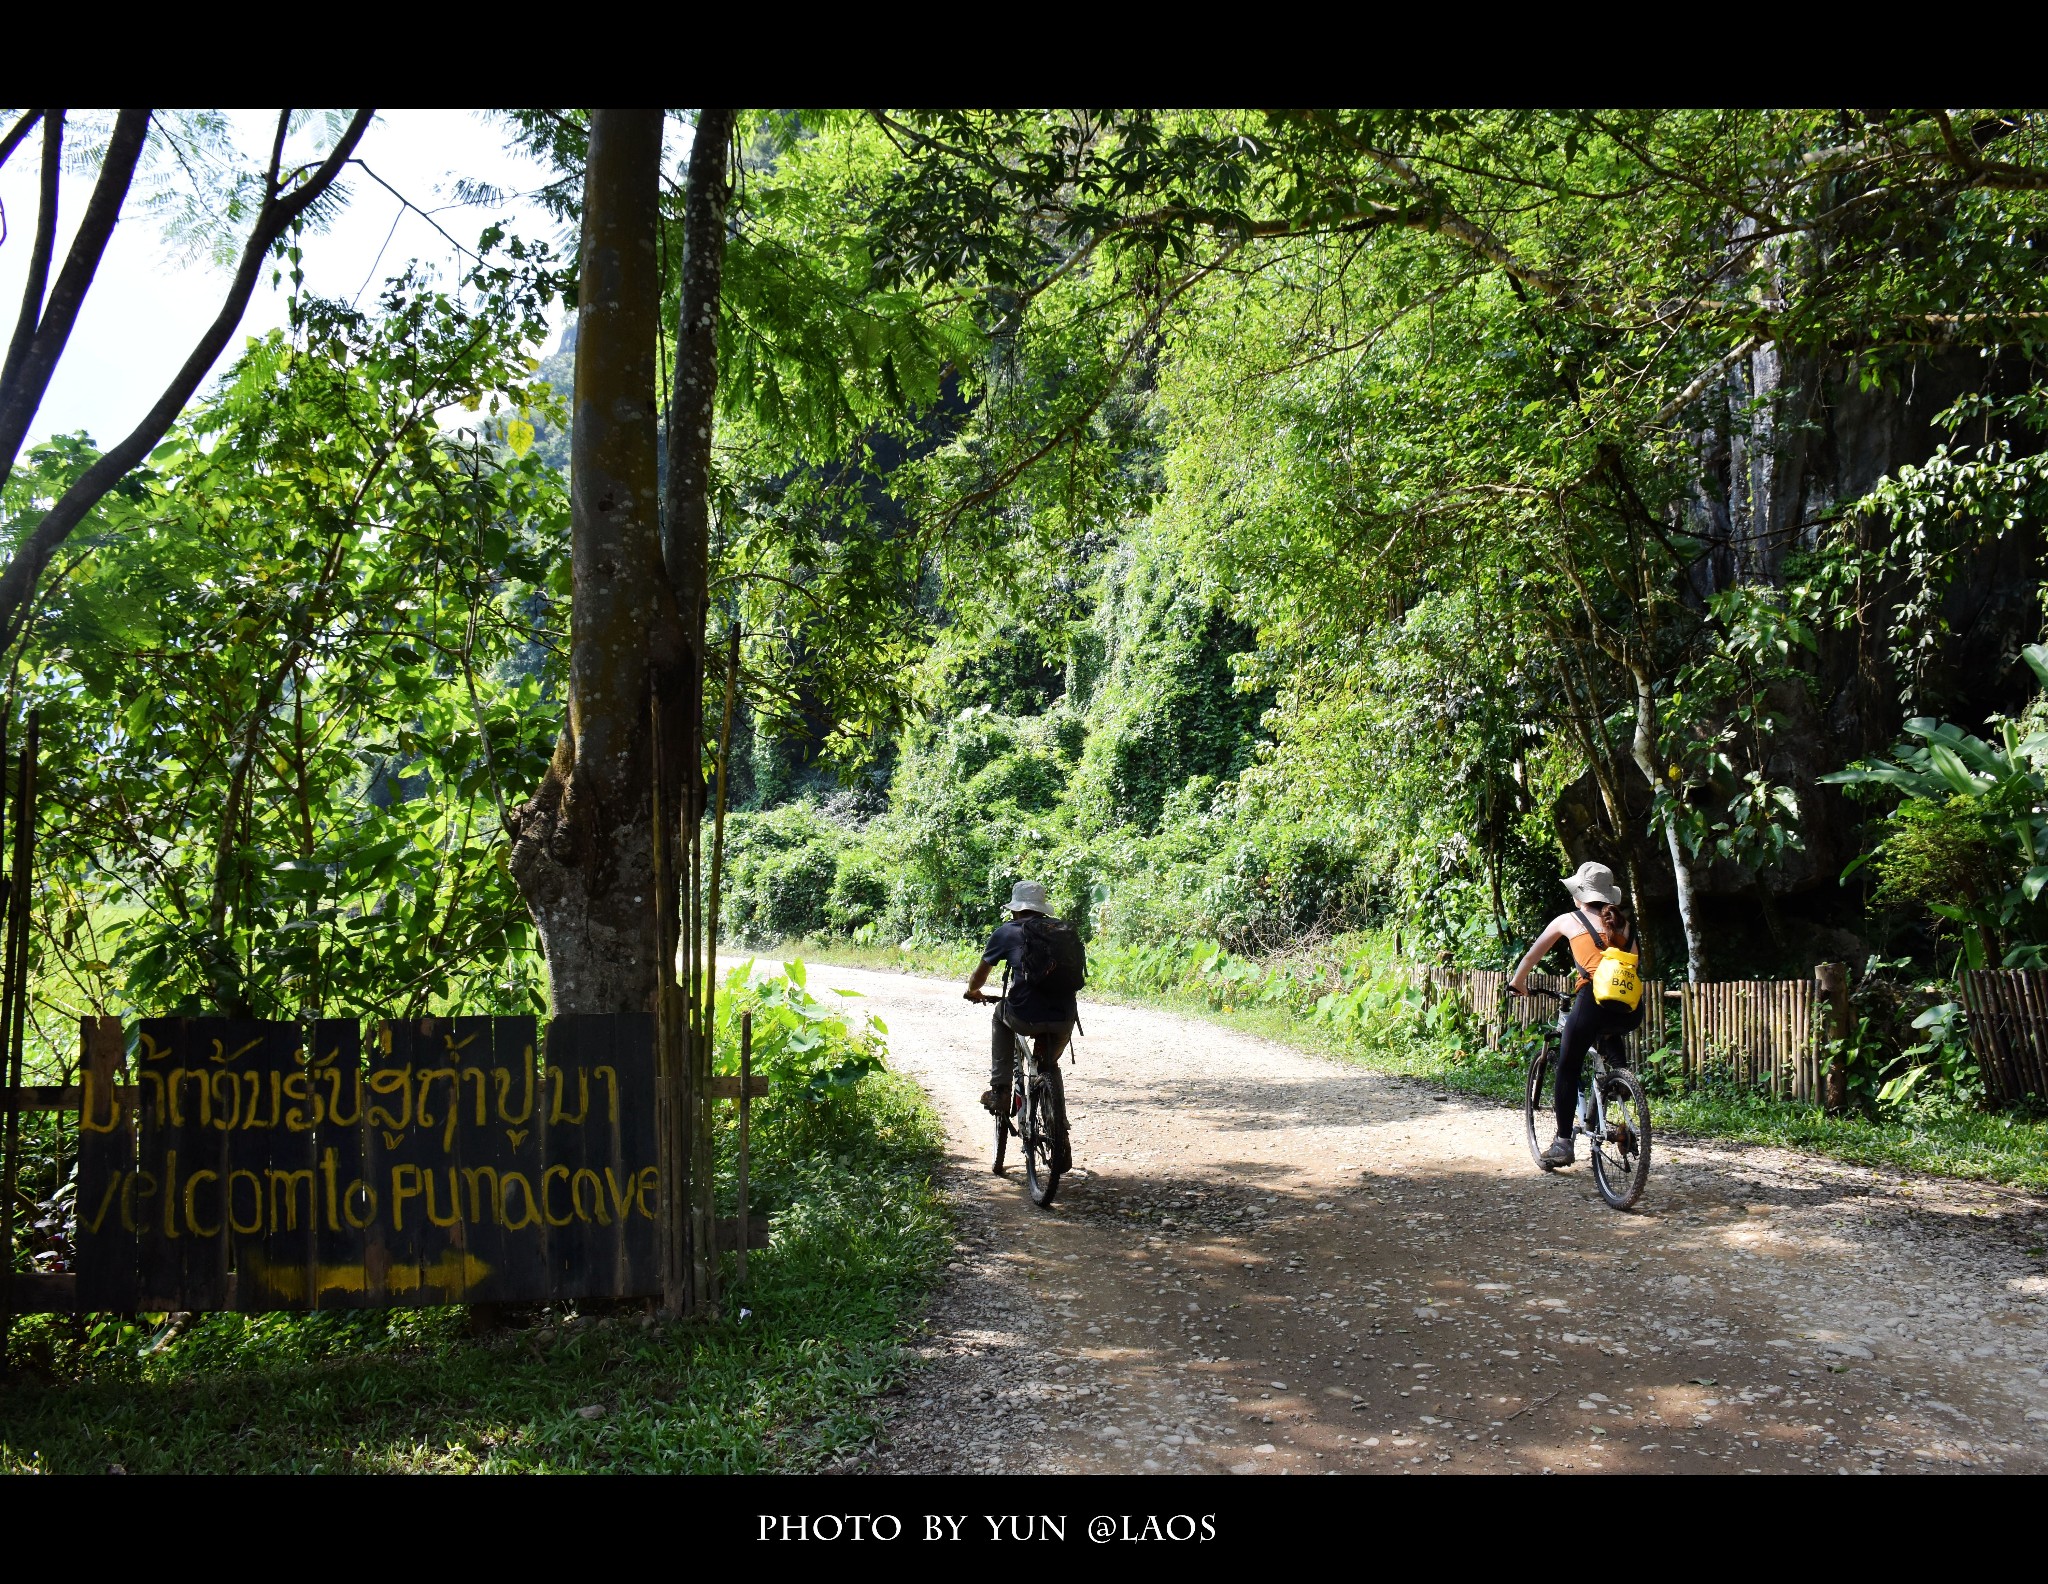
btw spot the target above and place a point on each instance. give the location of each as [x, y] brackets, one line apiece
[1033, 1004]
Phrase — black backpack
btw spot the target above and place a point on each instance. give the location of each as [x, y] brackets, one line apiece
[1053, 957]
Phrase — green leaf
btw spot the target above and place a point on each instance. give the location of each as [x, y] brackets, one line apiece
[1953, 770]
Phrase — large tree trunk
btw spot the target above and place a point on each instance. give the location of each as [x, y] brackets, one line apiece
[606, 852]
[687, 1020]
[583, 849]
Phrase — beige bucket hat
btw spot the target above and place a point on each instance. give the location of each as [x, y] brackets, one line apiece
[1028, 896]
[1594, 882]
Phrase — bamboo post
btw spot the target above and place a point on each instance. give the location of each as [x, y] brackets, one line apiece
[746, 1117]
[13, 1017]
[671, 1046]
[1831, 986]
[732, 673]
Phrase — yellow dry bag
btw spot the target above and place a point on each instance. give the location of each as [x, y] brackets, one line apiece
[1615, 980]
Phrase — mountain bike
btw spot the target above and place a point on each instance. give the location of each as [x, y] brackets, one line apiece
[1037, 1119]
[1613, 1112]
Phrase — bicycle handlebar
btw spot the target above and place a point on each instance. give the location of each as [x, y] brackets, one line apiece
[1545, 990]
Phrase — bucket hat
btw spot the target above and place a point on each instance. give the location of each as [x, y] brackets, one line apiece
[1594, 882]
[1028, 896]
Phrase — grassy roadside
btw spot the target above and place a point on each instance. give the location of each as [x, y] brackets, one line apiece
[2008, 1147]
[785, 1381]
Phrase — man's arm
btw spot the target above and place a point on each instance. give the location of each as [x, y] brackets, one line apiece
[976, 980]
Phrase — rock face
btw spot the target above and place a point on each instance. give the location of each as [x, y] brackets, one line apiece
[1798, 440]
[1791, 443]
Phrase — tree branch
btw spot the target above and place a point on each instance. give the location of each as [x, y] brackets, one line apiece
[1992, 173]
[12, 141]
[39, 251]
[277, 214]
[22, 394]
[1700, 381]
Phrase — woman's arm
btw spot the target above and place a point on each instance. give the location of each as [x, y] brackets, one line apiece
[1551, 935]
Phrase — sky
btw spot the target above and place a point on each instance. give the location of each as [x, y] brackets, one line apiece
[151, 299]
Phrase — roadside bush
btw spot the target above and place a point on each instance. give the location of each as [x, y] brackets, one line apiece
[781, 869]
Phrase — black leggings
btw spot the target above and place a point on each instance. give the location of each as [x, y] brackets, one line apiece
[1589, 1023]
[1048, 1040]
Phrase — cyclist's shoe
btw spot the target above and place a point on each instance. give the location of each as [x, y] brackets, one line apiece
[988, 1103]
[1062, 1154]
[1559, 1153]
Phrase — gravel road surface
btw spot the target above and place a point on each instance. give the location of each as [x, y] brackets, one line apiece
[1266, 1262]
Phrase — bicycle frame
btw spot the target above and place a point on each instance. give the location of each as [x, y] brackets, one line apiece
[1598, 1068]
[1023, 1072]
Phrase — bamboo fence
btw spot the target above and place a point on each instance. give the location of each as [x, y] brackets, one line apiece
[2009, 1030]
[1773, 1032]
[1485, 991]
[1757, 1031]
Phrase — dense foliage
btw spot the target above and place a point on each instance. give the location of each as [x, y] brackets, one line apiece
[1262, 527]
[1376, 514]
[290, 676]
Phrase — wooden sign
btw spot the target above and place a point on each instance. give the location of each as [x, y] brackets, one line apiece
[227, 1164]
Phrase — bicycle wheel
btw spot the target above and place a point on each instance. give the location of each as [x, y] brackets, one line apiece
[1536, 1120]
[1621, 1160]
[1045, 1129]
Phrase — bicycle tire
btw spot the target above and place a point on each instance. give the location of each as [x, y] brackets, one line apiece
[1045, 1123]
[1621, 1161]
[1002, 1144]
[1536, 1123]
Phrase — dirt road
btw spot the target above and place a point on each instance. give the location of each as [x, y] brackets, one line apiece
[1270, 1263]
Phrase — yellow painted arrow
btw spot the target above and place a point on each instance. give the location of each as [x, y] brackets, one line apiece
[453, 1271]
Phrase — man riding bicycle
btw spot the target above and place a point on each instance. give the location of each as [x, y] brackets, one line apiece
[1044, 965]
[1596, 927]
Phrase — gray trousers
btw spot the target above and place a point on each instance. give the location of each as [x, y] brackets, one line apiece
[1048, 1041]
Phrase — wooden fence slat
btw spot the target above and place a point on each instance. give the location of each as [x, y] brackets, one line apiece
[2026, 1065]
[269, 1215]
[502, 1164]
[1998, 1029]
[2024, 1001]
[2010, 1008]
[2019, 1002]
[1781, 1050]
[336, 1094]
[106, 1167]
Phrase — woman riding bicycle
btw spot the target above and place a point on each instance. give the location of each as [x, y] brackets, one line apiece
[1596, 924]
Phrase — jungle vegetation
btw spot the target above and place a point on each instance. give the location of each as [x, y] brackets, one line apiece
[1271, 529]
[1295, 537]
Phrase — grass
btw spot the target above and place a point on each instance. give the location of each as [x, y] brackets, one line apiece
[1933, 1137]
[787, 1380]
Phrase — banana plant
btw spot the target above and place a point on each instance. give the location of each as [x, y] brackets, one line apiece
[1999, 789]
